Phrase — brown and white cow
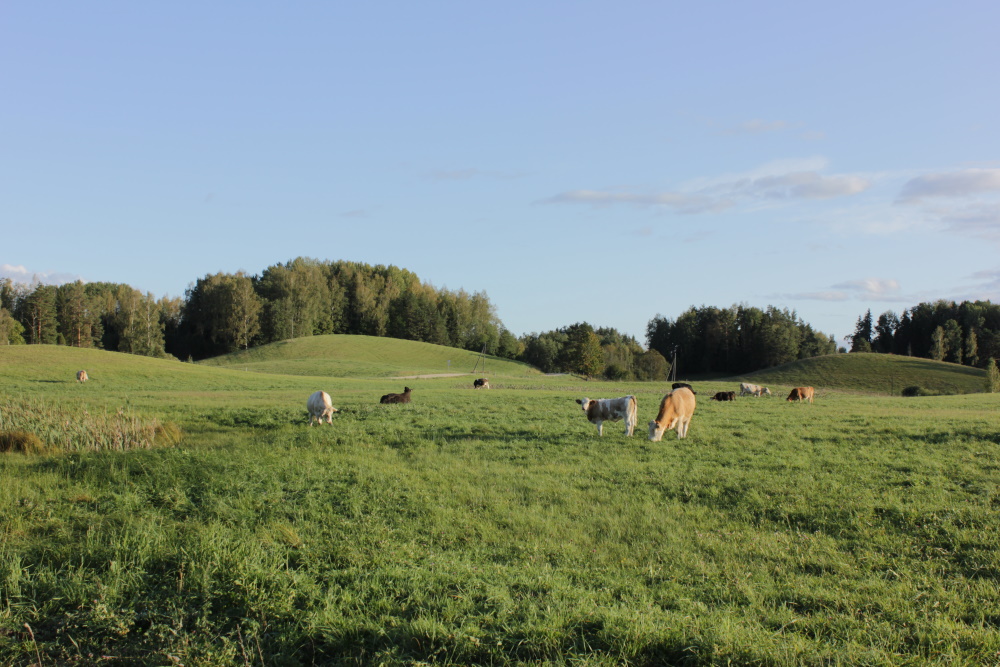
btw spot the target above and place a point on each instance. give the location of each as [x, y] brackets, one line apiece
[481, 383]
[747, 389]
[801, 394]
[397, 398]
[676, 410]
[81, 376]
[320, 407]
[600, 410]
[724, 396]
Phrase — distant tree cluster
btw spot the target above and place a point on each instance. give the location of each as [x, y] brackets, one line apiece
[590, 352]
[110, 316]
[225, 312]
[739, 339]
[967, 333]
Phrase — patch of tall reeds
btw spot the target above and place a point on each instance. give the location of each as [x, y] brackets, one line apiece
[33, 426]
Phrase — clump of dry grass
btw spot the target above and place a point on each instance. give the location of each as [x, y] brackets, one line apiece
[23, 442]
[64, 429]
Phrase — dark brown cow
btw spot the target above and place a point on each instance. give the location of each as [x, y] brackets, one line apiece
[481, 383]
[801, 394]
[600, 410]
[678, 385]
[397, 398]
[724, 396]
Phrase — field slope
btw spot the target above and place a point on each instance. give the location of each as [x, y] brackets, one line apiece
[342, 355]
[873, 373]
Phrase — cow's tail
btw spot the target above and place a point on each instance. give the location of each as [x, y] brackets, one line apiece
[632, 414]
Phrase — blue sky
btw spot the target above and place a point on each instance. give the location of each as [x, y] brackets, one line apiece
[577, 161]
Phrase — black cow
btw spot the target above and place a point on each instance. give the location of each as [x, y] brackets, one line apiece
[397, 398]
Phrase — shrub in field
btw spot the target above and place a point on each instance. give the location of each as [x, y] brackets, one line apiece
[920, 391]
[77, 429]
[992, 377]
[23, 442]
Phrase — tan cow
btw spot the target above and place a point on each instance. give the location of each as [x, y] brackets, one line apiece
[801, 394]
[675, 412]
[320, 407]
[600, 410]
[81, 376]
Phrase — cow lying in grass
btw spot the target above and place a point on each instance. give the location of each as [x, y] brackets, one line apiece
[397, 398]
[724, 396]
[675, 412]
[320, 407]
[600, 410]
[801, 394]
[481, 383]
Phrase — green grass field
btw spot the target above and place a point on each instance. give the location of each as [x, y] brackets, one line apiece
[495, 527]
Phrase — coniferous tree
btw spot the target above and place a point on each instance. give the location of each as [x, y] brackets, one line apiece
[40, 317]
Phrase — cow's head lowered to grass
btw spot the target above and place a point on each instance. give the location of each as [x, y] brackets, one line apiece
[675, 412]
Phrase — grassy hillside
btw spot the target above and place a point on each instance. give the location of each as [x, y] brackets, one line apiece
[873, 373]
[364, 356]
[495, 527]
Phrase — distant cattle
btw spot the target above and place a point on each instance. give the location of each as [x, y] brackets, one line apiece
[801, 394]
[724, 396]
[600, 410]
[676, 410]
[81, 376]
[320, 407]
[397, 398]
[678, 385]
[481, 383]
[749, 389]
[764, 391]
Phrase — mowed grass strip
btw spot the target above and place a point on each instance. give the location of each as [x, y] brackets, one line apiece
[495, 527]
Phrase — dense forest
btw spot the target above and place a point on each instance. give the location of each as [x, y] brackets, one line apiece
[225, 312]
[966, 333]
[739, 339]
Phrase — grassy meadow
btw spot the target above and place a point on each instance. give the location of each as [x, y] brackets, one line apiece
[494, 527]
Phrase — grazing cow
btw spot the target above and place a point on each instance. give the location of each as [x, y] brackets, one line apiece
[764, 391]
[320, 407]
[675, 412]
[81, 376]
[724, 396]
[801, 394]
[749, 389]
[481, 383]
[678, 385]
[600, 410]
[397, 398]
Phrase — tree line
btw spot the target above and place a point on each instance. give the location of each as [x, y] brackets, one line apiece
[965, 333]
[734, 340]
[226, 312]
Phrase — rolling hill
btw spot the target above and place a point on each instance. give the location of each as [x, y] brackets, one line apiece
[342, 355]
[872, 373]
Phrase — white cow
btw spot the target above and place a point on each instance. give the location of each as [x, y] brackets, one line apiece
[749, 389]
[320, 407]
[600, 410]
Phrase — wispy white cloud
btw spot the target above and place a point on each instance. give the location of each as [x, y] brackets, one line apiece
[963, 183]
[866, 289]
[780, 180]
[758, 126]
[19, 273]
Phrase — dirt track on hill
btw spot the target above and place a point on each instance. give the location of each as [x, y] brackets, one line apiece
[431, 375]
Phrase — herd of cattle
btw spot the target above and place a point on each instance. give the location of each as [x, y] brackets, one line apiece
[676, 408]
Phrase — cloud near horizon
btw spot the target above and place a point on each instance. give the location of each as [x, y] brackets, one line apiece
[21, 274]
[868, 289]
[950, 184]
[709, 196]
